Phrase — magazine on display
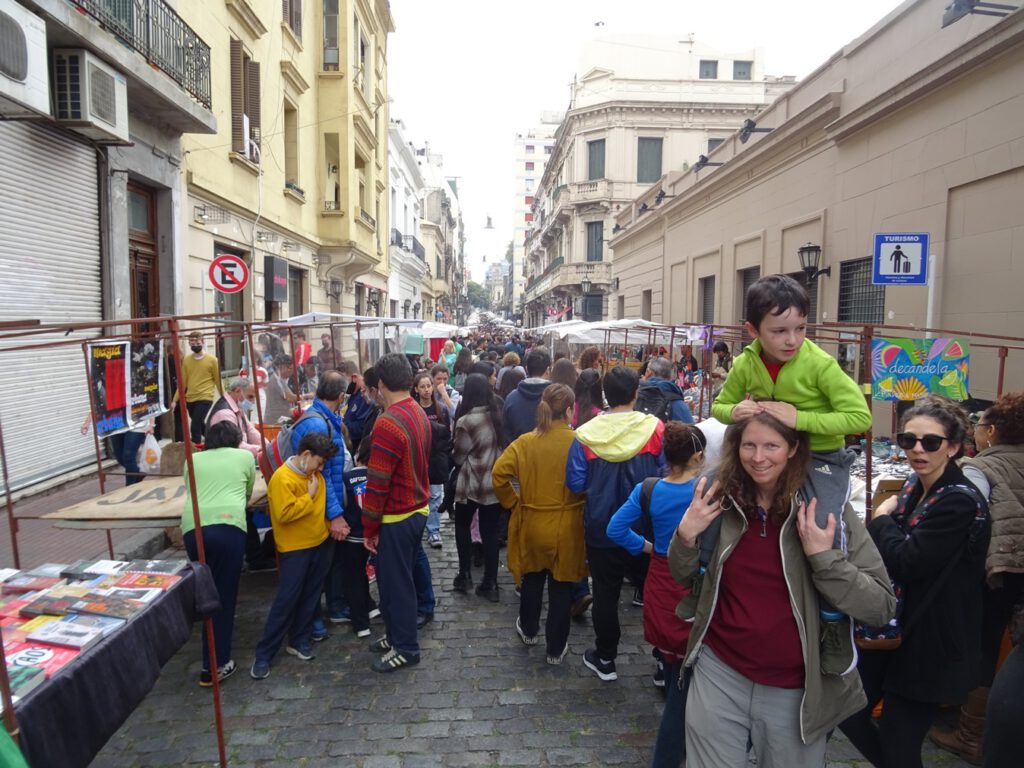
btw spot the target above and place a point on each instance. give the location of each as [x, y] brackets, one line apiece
[107, 624]
[48, 570]
[67, 635]
[25, 583]
[148, 580]
[29, 654]
[107, 567]
[107, 606]
[169, 567]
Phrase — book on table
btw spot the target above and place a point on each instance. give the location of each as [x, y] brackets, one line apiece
[51, 605]
[26, 583]
[147, 580]
[108, 567]
[107, 624]
[145, 595]
[78, 570]
[104, 605]
[48, 570]
[32, 654]
[7, 573]
[67, 635]
[25, 679]
[33, 624]
[169, 567]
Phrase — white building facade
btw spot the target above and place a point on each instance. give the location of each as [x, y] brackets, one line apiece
[407, 255]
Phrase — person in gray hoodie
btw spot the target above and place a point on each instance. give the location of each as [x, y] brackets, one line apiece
[520, 414]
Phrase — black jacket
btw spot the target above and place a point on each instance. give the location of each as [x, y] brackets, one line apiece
[938, 659]
[439, 463]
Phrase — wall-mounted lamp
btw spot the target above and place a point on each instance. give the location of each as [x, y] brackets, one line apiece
[661, 196]
[290, 245]
[810, 258]
[209, 214]
[644, 208]
[615, 283]
[616, 229]
[585, 285]
[703, 162]
[334, 289]
[265, 237]
[749, 128]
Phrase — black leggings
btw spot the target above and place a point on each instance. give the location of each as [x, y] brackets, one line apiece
[489, 514]
[895, 742]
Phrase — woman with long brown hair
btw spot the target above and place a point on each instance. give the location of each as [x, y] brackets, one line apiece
[545, 536]
[754, 645]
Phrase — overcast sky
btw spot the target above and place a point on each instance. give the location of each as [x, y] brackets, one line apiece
[467, 75]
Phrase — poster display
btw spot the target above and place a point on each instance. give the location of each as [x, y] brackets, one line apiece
[909, 369]
[147, 385]
[108, 377]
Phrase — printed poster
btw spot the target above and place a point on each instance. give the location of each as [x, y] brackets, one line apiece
[147, 385]
[108, 377]
[909, 369]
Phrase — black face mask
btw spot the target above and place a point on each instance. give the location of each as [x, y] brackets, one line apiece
[197, 348]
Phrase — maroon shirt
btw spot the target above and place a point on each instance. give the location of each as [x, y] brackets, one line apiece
[753, 629]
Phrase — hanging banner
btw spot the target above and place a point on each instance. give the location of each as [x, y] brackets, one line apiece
[147, 384]
[108, 375]
[909, 369]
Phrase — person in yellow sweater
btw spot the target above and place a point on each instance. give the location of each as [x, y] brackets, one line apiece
[200, 377]
[297, 498]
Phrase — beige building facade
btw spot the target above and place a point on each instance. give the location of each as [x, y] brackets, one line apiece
[909, 128]
[294, 182]
[633, 116]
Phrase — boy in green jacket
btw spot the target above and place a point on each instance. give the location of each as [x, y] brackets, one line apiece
[785, 375]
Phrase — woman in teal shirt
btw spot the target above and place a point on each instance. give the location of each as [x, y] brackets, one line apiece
[224, 478]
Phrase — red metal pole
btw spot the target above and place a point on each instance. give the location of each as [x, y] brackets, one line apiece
[96, 435]
[10, 722]
[254, 378]
[866, 356]
[12, 522]
[200, 546]
[1003, 352]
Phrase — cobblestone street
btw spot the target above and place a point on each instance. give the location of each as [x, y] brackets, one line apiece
[478, 698]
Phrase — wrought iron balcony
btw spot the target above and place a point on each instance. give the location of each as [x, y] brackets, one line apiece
[365, 216]
[158, 34]
[408, 243]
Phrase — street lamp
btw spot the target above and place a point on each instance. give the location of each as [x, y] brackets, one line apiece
[810, 258]
[585, 285]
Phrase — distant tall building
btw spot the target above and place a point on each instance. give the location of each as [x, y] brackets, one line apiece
[533, 149]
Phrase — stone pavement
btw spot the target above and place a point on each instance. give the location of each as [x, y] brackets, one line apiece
[478, 698]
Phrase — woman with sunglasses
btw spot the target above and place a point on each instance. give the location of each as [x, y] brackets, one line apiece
[998, 471]
[934, 549]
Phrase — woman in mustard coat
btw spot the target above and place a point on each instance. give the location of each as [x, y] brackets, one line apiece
[545, 534]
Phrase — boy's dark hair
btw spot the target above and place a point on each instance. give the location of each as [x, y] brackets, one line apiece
[394, 372]
[620, 385]
[775, 294]
[370, 378]
[283, 361]
[720, 346]
[483, 367]
[439, 368]
[332, 385]
[538, 361]
[319, 444]
[223, 434]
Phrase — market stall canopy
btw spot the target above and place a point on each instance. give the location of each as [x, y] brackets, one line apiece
[623, 331]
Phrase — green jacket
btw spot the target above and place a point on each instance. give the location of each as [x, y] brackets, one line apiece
[828, 403]
[856, 583]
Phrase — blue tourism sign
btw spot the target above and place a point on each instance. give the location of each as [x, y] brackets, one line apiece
[901, 258]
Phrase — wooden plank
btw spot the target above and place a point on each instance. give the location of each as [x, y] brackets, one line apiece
[154, 500]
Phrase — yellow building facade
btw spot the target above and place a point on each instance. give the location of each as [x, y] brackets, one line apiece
[294, 182]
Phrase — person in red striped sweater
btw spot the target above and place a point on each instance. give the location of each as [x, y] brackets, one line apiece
[395, 508]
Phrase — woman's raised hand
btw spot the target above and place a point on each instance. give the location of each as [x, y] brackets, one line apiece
[814, 538]
[699, 515]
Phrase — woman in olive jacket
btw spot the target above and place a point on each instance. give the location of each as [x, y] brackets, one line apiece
[933, 540]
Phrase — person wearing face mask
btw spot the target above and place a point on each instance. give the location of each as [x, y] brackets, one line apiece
[200, 373]
[235, 406]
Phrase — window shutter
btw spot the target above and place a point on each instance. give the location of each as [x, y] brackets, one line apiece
[286, 11]
[707, 300]
[297, 18]
[237, 98]
[252, 85]
[648, 160]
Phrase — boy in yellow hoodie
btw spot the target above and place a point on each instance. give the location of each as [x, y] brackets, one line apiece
[297, 497]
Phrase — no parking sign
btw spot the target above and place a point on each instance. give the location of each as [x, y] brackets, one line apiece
[229, 273]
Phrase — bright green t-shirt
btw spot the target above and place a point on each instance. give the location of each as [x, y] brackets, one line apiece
[224, 480]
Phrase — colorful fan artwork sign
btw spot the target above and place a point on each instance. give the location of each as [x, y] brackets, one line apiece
[909, 369]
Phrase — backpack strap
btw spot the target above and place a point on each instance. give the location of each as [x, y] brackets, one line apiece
[646, 492]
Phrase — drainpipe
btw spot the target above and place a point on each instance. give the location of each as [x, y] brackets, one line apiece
[934, 309]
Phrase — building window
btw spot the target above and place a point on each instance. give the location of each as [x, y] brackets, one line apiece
[530, 182]
[292, 14]
[595, 159]
[714, 144]
[645, 304]
[648, 160]
[361, 58]
[595, 241]
[530, 149]
[706, 286]
[548, 149]
[529, 166]
[331, 57]
[741, 70]
[747, 278]
[296, 278]
[593, 307]
[529, 199]
[529, 217]
[291, 145]
[859, 300]
[708, 69]
[622, 307]
[245, 103]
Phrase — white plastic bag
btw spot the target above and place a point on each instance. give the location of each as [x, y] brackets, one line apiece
[149, 456]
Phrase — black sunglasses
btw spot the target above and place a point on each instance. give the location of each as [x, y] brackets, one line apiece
[931, 443]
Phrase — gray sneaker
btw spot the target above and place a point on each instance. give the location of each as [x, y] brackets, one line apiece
[838, 654]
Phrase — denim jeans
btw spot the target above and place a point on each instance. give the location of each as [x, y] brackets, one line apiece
[300, 582]
[334, 584]
[670, 747]
[224, 546]
[126, 450]
[423, 579]
[434, 517]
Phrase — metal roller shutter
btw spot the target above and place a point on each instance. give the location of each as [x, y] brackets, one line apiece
[49, 270]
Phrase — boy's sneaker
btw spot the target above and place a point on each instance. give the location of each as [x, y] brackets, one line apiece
[638, 598]
[434, 540]
[363, 632]
[659, 674]
[380, 645]
[224, 671]
[319, 631]
[838, 655]
[603, 669]
[340, 617]
[394, 660]
[374, 613]
[260, 670]
[555, 660]
[527, 639]
[303, 653]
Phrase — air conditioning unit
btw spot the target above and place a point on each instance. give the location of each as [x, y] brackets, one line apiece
[90, 96]
[24, 82]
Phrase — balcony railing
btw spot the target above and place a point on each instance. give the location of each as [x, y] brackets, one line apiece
[560, 275]
[154, 30]
[367, 217]
[408, 243]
